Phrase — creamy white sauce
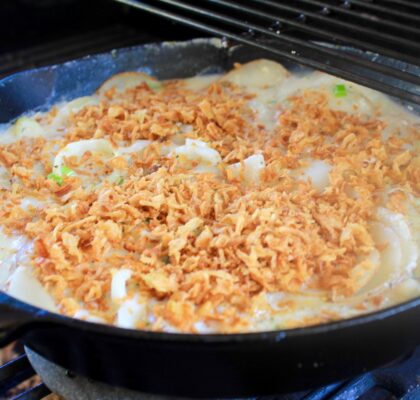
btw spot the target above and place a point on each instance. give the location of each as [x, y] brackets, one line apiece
[272, 85]
[197, 83]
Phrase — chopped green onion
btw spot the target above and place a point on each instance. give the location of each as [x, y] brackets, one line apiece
[120, 181]
[154, 85]
[166, 259]
[340, 90]
[66, 171]
[56, 178]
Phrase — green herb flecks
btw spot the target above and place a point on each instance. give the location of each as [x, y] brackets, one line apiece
[66, 171]
[56, 178]
[340, 90]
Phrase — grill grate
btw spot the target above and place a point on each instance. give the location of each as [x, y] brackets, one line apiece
[296, 30]
[16, 372]
[36, 393]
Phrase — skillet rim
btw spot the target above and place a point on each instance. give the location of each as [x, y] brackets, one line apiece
[37, 316]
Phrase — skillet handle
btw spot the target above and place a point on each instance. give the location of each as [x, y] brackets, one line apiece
[14, 321]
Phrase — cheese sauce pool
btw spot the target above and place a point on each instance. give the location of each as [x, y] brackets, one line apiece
[44, 253]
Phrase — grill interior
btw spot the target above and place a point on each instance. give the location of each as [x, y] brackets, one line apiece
[298, 30]
[35, 33]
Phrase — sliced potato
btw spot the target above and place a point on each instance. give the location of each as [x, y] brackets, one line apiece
[399, 225]
[73, 107]
[197, 150]
[390, 258]
[131, 313]
[5, 178]
[198, 83]
[24, 286]
[87, 316]
[119, 283]
[127, 80]
[409, 289]
[266, 108]
[317, 171]
[257, 74]
[398, 258]
[26, 127]
[249, 169]
[77, 149]
[137, 147]
[414, 221]
[9, 245]
[32, 202]
[261, 77]
[9, 248]
[76, 105]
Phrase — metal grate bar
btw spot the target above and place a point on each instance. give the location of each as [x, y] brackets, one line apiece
[36, 393]
[355, 388]
[322, 32]
[385, 9]
[413, 395]
[287, 40]
[324, 393]
[294, 55]
[325, 8]
[339, 23]
[404, 3]
[14, 372]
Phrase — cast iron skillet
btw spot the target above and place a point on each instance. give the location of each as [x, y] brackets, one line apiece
[240, 365]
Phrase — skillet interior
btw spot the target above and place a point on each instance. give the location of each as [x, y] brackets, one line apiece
[190, 365]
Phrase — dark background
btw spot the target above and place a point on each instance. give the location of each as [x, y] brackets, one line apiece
[40, 32]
